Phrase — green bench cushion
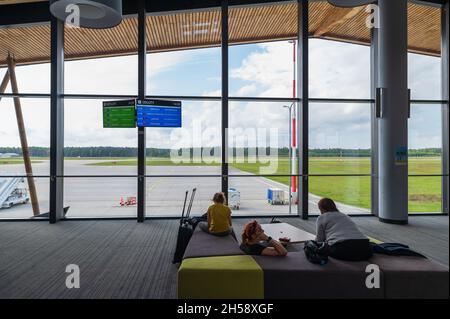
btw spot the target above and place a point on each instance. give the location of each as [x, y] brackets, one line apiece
[220, 277]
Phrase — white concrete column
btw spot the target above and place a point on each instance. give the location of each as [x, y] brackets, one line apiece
[393, 123]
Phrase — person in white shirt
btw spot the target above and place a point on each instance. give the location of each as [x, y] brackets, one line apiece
[342, 235]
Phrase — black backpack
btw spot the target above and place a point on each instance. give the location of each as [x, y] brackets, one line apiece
[317, 252]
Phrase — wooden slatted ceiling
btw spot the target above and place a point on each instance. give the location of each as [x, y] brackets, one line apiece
[120, 40]
[19, 1]
[198, 29]
[424, 29]
[253, 24]
[348, 21]
[188, 30]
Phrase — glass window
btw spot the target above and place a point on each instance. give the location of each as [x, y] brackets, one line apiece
[259, 145]
[262, 195]
[262, 70]
[100, 197]
[339, 138]
[15, 191]
[338, 69]
[32, 72]
[36, 120]
[424, 70]
[340, 144]
[424, 77]
[262, 65]
[194, 149]
[15, 197]
[351, 193]
[91, 149]
[106, 75]
[165, 194]
[425, 194]
[30, 48]
[184, 71]
[425, 158]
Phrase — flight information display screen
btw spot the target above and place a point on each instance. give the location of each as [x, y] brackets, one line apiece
[119, 114]
[158, 113]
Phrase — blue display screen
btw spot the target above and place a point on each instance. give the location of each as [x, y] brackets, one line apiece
[158, 113]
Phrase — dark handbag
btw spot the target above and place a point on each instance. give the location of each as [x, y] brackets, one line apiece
[316, 252]
[194, 221]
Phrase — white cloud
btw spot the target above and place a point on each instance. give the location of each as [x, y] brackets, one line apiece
[269, 69]
[31, 78]
[424, 77]
[246, 90]
[161, 62]
[117, 75]
[335, 71]
[338, 70]
[36, 115]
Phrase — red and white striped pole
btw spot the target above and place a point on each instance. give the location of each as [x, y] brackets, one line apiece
[294, 130]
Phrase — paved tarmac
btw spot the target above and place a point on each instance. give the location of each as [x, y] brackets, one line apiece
[100, 196]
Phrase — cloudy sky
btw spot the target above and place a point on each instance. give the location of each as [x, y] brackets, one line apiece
[337, 70]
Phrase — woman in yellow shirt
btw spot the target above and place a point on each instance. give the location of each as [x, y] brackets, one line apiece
[219, 217]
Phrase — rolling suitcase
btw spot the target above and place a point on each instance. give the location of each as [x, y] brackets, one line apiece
[185, 230]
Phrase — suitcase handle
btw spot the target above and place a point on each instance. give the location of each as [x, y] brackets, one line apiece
[184, 206]
[190, 202]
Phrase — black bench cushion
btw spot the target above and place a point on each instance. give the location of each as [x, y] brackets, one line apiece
[295, 277]
[412, 277]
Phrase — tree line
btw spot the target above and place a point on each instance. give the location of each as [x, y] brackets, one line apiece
[109, 151]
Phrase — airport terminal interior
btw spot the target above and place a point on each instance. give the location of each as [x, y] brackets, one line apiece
[120, 120]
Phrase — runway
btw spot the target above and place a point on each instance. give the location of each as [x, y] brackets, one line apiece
[100, 196]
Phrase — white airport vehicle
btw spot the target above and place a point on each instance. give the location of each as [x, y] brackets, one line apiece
[234, 198]
[276, 196]
[11, 194]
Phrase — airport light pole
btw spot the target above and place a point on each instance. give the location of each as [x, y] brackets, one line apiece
[293, 123]
[289, 107]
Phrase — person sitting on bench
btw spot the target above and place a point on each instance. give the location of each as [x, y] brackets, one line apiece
[342, 235]
[256, 242]
[218, 218]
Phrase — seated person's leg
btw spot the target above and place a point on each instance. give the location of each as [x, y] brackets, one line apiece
[351, 250]
[204, 226]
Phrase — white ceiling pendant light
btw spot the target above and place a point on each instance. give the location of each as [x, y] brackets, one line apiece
[350, 3]
[95, 14]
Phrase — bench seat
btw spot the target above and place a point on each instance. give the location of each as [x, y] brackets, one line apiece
[206, 245]
[215, 267]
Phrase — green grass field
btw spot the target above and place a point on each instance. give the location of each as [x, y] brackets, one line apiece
[15, 161]
[150, 162]
[424, 192]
